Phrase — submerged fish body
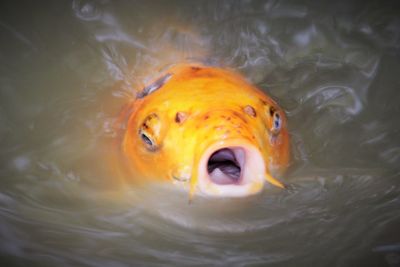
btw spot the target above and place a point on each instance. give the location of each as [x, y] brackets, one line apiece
[208, 130]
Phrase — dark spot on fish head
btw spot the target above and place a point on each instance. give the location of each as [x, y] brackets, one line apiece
[206, 117]
[271, 111]
[250, 111]
[194, 68]
[180, 116]
[240, 116]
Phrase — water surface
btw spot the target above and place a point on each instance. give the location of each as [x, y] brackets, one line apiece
[67, 68]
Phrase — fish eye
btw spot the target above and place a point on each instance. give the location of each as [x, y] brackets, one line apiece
[276, 120]
[149, 132]
[276, 123]
[146, 139]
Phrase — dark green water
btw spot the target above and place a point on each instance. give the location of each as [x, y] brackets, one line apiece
[67, 67]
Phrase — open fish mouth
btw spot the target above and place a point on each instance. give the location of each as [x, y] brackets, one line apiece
[225, 166]
[232, 170]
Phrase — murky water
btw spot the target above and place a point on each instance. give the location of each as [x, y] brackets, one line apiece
[68, 67]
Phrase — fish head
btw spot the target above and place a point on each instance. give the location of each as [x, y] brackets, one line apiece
[208, 129]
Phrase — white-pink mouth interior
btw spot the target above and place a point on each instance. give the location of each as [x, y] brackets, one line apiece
[225, 166]
[234, 170]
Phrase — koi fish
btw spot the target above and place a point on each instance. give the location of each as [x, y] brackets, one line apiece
[206, 129]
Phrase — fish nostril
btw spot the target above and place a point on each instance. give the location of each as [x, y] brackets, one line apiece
[250, 111]
[180, 117]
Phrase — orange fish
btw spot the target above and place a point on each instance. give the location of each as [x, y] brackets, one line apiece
[208, 130]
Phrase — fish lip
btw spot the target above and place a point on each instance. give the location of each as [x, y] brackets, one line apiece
[252, 174]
